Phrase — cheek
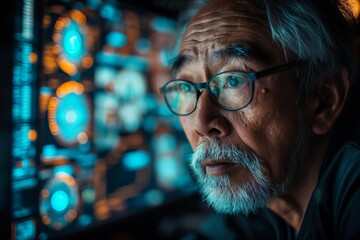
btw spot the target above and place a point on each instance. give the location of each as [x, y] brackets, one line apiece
[269, 131]
[187, 126]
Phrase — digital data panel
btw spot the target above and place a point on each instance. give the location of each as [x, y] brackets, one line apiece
[101, 145]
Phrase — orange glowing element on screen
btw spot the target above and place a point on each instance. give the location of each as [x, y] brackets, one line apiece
[44, 193]
[32, 135]
[78, 16]
[87, 62]
[49, 60]
[54, 128]
[60, 23]
[67, 66]
[33, 57]
[82, 138]
[70, 87]
[70, 216]
[46, 220]
[56, 49]
[66, 178]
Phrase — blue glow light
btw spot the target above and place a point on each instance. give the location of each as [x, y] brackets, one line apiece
[59, 200]
[110, 12]
[85, 159]
[46, 90]
[154, 197]
[164, 111]
[93, 4]
[73, 43]
[72, 116]
[25, 107]
[136, 160]
[59, 197]
[150, 123]
[166, 143]
[25, 230]
[167, 169]
[116, 39]
[165, 57]
[143, 45]
[176, 124]
[85, 220]
[131, 114]
[64, 169]
[163, 25]
[130, 85]
[49, 151]
[21, 141]
[133, 62]
[104, 75]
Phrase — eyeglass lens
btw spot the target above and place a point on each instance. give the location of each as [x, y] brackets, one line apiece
[229, 90]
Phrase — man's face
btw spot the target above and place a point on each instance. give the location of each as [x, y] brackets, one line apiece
[248, 150]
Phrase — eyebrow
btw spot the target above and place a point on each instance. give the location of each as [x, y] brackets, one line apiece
[242, 50]
[177, 63]
[246, 51]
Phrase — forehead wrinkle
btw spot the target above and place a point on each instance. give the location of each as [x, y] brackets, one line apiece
[218, 28]
[225, 21]
[229, 14]
[226, 27]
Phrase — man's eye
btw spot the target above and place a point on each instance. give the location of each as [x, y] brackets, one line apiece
[234, 81]
[215, 91]
[185, 87]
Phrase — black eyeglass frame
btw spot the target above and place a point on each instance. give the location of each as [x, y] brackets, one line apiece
[252, 76]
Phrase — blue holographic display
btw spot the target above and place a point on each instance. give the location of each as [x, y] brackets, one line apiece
[72, 117]
[116, 39]
[108, 145]
[111, 13]
[143, 45]
[25, 230]
[136, 160]
[73, 43]
[59, 200]
[163, 24]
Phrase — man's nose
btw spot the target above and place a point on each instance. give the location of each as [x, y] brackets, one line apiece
[209, 121]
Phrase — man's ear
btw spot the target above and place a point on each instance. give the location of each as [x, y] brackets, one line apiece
[328, 101]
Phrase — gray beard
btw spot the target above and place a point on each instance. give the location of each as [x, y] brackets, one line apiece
[223, 196]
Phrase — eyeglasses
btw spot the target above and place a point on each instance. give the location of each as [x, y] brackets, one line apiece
[229, 90]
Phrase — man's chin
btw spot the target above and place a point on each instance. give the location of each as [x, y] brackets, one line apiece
[232, 200]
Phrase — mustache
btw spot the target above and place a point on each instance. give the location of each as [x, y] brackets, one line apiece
[217, 151]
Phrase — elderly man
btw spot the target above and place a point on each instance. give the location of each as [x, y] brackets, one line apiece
[262, 90]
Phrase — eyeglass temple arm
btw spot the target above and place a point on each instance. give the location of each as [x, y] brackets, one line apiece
[277, 69]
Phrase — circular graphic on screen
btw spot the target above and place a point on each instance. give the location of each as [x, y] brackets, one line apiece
[70, 115]
[130, 88]
[130, 85]
[70, 37]
[73, 43]
[59, 201]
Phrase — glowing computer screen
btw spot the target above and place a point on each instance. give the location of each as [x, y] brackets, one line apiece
[102, 143]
